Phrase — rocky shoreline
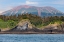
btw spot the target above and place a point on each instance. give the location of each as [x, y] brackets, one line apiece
[31, 33]
[26, 30]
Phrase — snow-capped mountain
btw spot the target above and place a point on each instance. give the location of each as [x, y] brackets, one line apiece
[41, 11]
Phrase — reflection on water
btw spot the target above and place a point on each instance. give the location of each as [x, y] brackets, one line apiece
[31, 37]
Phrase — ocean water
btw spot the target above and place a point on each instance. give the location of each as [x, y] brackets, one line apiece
[31, 37]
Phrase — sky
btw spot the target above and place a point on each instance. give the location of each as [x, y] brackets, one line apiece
[9, 4]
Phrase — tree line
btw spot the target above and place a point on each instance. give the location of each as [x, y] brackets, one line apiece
[34, 19]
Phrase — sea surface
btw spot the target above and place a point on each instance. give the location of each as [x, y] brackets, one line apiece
[31, 37]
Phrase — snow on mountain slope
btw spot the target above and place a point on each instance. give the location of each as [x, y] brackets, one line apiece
[41, 11]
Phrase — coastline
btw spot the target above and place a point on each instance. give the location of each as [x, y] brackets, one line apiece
[31, 33]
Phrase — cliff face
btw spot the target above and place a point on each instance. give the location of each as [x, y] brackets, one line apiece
[25, 21]
[23, 25]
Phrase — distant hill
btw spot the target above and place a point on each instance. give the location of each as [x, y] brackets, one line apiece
[40, 11]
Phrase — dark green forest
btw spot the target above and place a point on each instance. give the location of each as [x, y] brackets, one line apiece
[13, 20]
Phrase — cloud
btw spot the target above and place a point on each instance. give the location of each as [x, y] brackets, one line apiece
[31, 3]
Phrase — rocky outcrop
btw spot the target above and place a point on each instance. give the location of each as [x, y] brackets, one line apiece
[24, 21]
[24, 27]
[25, 30]
[20, 28]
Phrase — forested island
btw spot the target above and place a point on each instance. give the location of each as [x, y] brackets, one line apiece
[37, 24]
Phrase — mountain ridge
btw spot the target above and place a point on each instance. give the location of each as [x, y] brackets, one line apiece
[41, 11]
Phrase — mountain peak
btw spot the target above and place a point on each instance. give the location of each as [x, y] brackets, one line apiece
[41, 11]
[25, 6]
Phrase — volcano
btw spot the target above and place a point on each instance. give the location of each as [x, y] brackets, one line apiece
[40, 11]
